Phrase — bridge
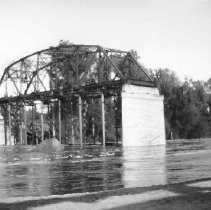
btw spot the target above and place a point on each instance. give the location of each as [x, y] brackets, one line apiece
[63, 80]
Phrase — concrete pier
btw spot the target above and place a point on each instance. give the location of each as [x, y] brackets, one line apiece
[142, 116]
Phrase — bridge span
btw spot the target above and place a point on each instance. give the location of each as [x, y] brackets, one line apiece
[80, 94]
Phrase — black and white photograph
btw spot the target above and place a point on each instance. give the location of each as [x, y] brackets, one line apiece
[105, 104]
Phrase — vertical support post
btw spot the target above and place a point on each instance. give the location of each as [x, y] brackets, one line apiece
[77, 72]
[93, 130]
[119, 107]
[5, 131]
[41, 119]
[53, 121]
[116, 126]
[21, 133]
[60, 124]
[5, 124]
[35, 112]
[103, 118]
[25, 124]
[116, 119]
[72, 127]
[49, 121]
[33, 124]
[80, 120]
[72, 133]
[9, 124]
[172, 138]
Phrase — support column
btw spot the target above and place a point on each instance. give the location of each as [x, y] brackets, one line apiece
[116, 126]
[53, 121]
[72, 127]
[21, 133]
[41, 119]
[93, 130]
[80, 120]
[49, 122]
[5, 131]
[33, 120]
[77, 72]
[60, 123]
[9, 125]
[25, 125]
[35, 114]
[103, 118]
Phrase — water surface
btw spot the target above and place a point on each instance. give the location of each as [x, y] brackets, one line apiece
[27, 173]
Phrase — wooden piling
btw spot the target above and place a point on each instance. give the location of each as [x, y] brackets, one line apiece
[32, 123]
[25, 125]
[80, 120]
[42, 124]
[21, 133]
[9, 124]
[53, 121]
[35, 113]
[103, 118]
[49, 121]
[60, 123]
[72, 127]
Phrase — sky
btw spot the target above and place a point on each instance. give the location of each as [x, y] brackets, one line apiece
[173, 34]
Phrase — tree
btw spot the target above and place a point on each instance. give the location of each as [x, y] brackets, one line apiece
[185, 105]
[134, 53]
[63, 76]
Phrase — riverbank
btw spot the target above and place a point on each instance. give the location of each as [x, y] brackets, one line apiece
[187, 195]
[187, 141]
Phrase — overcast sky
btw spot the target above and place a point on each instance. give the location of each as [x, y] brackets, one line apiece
[175, 34]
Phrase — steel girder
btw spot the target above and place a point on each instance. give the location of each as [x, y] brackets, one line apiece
[70, 69]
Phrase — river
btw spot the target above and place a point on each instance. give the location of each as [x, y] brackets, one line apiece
[27, 173]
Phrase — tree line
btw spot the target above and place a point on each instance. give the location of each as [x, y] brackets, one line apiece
[186, 105]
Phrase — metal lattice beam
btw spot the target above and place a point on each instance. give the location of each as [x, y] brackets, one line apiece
[70, 69]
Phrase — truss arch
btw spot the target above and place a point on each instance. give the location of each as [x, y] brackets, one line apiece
[69, 67]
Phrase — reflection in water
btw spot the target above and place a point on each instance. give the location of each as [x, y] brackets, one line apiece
[69, 171]
[24, 180]
[144, 166]
[86, 176]
[26, 173]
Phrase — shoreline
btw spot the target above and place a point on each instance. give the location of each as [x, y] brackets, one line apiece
[185, 193]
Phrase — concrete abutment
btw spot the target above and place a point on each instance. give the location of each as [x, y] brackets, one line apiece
[142, 116]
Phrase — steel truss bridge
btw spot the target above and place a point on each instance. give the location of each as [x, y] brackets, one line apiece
[68, 71]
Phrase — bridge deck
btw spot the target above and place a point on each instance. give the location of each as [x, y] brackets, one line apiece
[87, 91]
